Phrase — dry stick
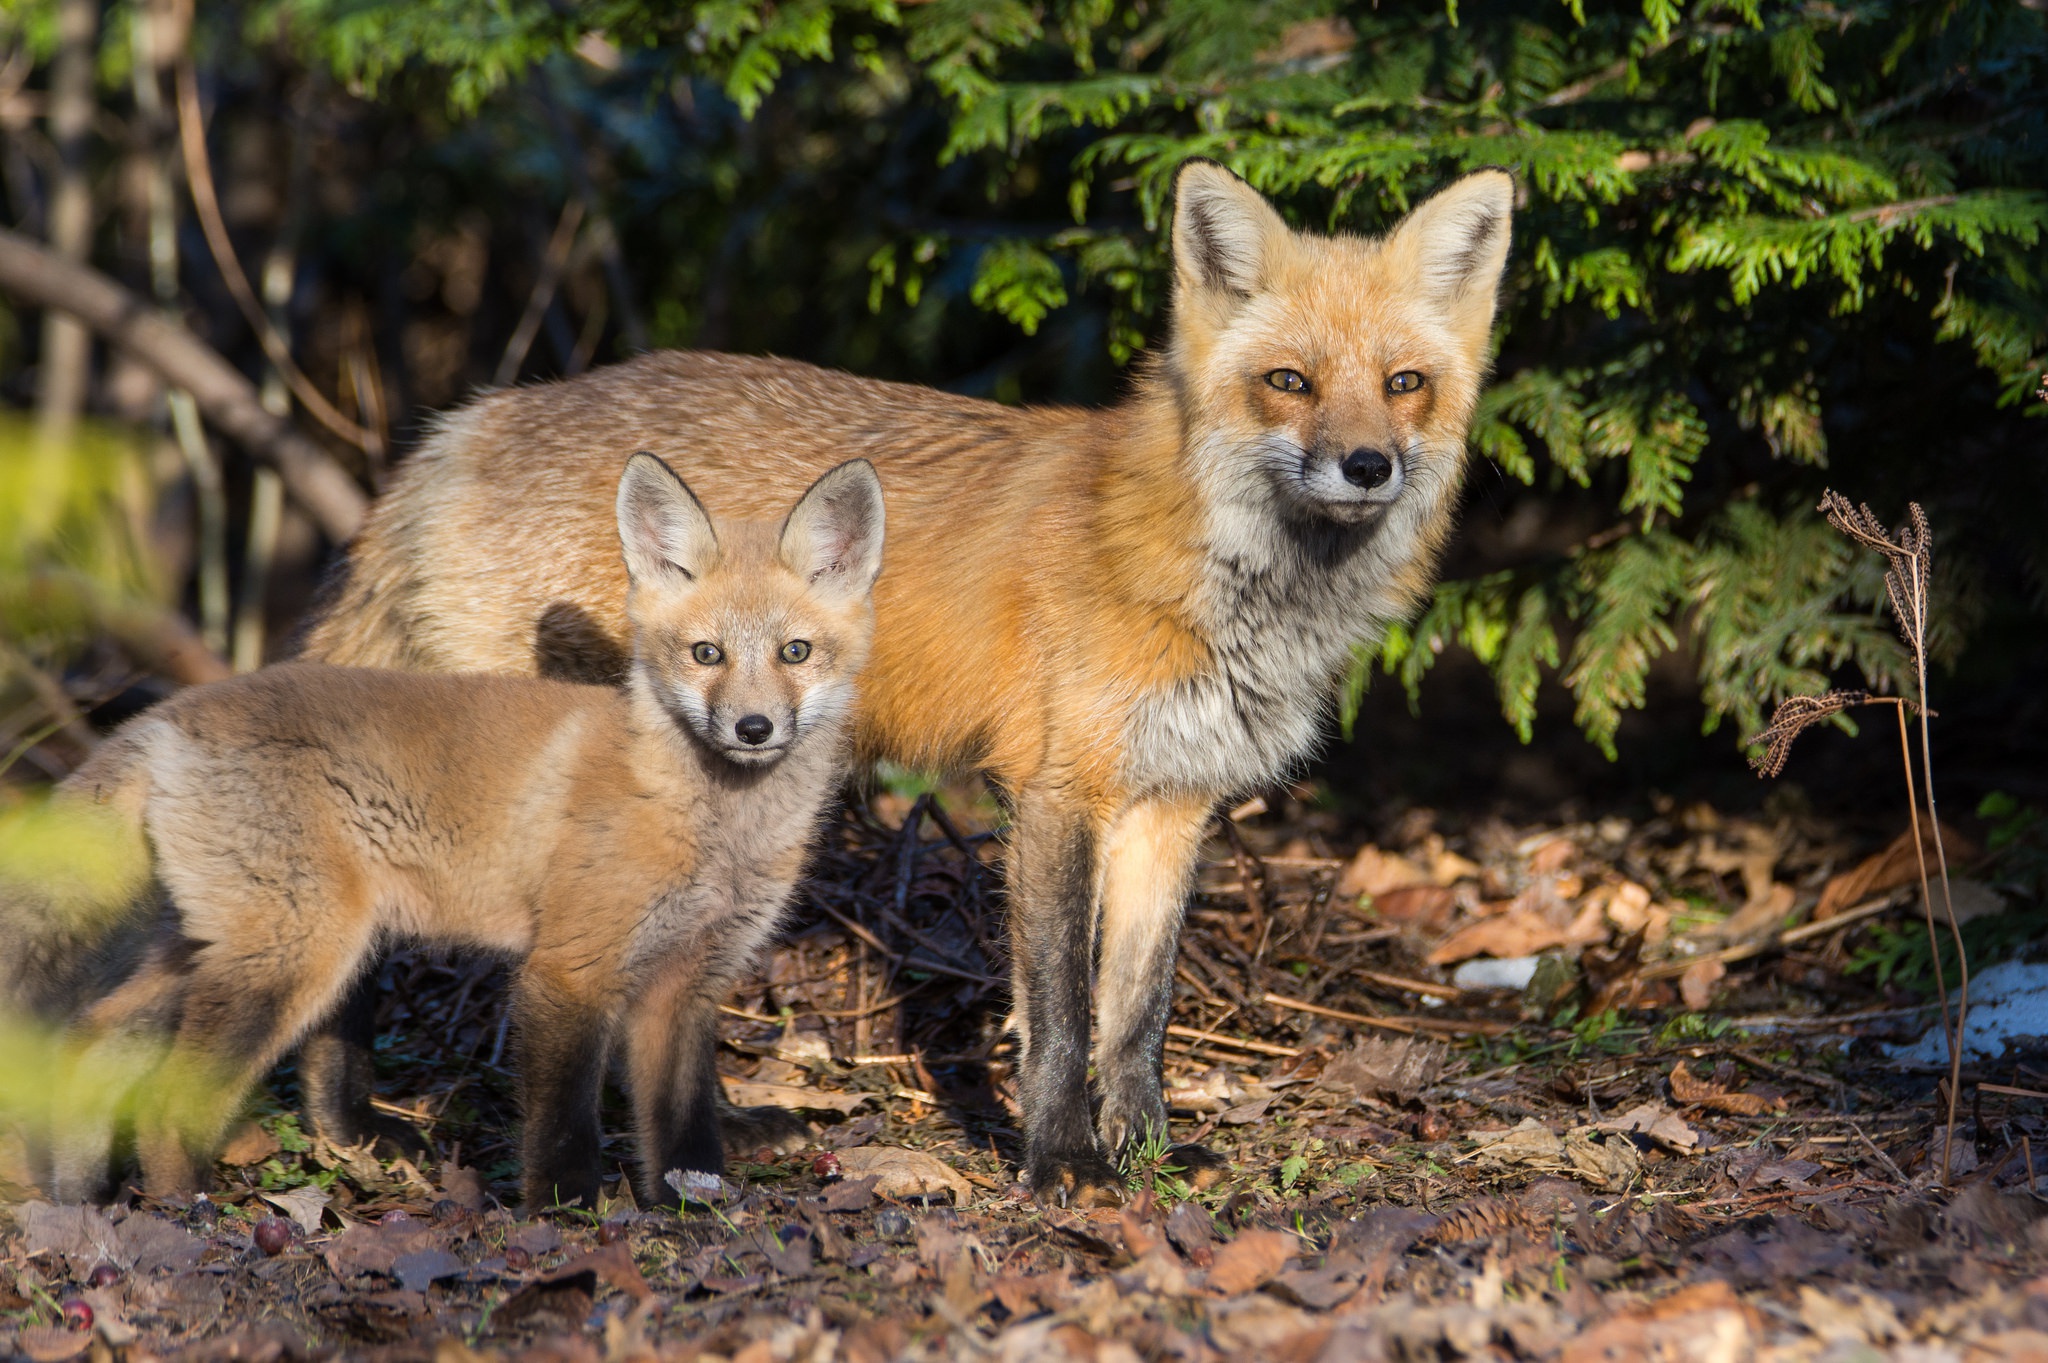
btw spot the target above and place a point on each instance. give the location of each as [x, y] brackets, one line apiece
[1410, 1026]
[1238, 1043]
[202, 464]
[544, 285]
[1926, 891]
[1955, 1055]
[199, 179]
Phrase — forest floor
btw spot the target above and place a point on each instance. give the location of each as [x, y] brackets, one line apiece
[1681, 1136]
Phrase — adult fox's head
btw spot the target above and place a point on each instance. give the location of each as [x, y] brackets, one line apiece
[1332, 378]
[749, 635]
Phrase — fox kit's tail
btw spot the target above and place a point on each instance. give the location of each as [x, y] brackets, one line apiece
[76, 894]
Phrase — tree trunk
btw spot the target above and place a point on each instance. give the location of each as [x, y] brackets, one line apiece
[66, 364]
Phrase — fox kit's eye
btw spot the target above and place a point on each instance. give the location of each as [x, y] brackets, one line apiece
[1287, 381]
[1407, 381]
[796, 650]
[707, 654]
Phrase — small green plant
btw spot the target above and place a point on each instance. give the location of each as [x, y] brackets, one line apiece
[1683, 1028]
[1291, 1170]
[1594, 1030]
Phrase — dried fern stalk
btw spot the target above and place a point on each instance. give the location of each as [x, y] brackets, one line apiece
[1909, 558]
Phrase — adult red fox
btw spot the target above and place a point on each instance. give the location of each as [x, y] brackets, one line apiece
[630, 849]
[1120, 616]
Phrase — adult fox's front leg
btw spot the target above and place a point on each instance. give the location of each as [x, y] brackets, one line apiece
[1052, 882]
[1148, 869]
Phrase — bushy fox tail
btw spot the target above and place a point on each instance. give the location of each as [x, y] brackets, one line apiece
[77, 894]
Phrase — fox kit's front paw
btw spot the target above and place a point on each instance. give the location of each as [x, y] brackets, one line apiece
[1080, 1179]
[748, 1130]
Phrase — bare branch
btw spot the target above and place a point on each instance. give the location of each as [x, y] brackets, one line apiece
[40, 278]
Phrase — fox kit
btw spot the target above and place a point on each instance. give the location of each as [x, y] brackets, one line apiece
[1120, 616]
[630, 849]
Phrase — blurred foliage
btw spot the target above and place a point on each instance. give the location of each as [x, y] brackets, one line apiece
[1762, 245]
[75, 551]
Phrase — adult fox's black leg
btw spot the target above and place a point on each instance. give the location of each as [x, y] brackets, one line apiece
[1051, 888]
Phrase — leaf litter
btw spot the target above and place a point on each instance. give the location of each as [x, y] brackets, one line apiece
[1677, 1138]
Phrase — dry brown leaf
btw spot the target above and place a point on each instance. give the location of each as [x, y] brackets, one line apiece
[1696, 986]
[904, 1173]
[790, 1096]
[1895, 866]
[1518, 932]
[1626, 905]
[1760, 917]
[1397, 1068]
[1250, 1261]
[249, 1144]
[1552, 855]
[1606, 1160]
[1448, 868]
[1375, 872]
[1659, 1123]
[1704, 1323]
[1531, 1143]
[1429, 907]
[1688, 1087]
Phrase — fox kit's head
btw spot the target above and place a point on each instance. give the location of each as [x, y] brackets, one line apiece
[1333, 377]
[749, 635]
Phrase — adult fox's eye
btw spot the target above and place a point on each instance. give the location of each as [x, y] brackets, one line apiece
[796, 650]
[707, 654]
[1407, 381]
[1287, 381]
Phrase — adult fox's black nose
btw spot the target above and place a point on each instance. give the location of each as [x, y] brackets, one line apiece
[754, 729]
[1367, 468]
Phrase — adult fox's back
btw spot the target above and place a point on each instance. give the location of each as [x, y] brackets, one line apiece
[1121, 616]
[992, 504]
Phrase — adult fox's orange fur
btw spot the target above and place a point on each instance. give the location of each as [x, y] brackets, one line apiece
[1120, 616]
[628, 849]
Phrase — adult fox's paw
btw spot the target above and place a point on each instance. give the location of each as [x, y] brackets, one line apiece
[1078, 1180]
[744, 1130]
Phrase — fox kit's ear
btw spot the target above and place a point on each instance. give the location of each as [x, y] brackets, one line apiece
[1224, 231]
[1456, 244]
[662, 526]
[833, 538]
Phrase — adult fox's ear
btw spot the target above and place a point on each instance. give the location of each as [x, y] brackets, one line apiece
[1224, 231]
[663, 528]
[833, 537]
[1455, 245]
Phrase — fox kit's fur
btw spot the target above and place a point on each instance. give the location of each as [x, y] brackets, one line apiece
[1121, 616]
[629, 849]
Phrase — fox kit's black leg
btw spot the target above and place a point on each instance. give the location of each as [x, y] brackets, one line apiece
[1148, 866]
[336, 1076]
[238, 1009]
[1051, 886]
[671, 1044]
[563, 1035]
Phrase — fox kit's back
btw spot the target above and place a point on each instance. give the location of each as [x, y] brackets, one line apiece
[629, 848]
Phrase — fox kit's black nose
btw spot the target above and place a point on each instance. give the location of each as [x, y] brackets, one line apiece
[754, 729]
[1367, 468]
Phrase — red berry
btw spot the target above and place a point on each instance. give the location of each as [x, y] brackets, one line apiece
[517, 1258]
[77, 1315]
[611, 1232]
[273, 1235]
[103, 1274]
[826, 1165]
